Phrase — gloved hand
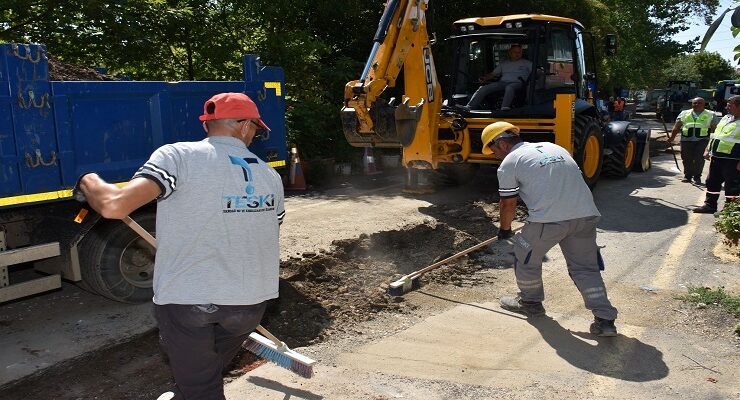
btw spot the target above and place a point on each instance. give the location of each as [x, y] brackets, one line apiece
[76, 192]
[504, 234]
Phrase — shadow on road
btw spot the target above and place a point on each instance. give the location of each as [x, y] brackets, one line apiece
[626, 205]
[620, 357]
[287, 390]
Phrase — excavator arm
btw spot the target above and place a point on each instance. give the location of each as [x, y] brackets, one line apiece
[400, 43]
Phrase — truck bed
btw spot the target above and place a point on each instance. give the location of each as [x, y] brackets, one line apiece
[52, 131]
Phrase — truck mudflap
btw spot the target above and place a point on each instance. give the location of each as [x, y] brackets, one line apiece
[394, 126]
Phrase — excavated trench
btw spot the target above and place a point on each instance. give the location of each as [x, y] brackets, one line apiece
[321, 295]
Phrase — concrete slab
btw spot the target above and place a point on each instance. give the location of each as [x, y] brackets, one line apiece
[496, 354]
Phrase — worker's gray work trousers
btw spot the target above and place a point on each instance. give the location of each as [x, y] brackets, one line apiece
[577, 239]
[692, 154]
[509, 89]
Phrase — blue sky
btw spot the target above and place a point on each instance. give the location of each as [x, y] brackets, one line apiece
[722, 42]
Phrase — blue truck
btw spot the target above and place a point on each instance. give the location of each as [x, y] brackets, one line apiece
[52, 131]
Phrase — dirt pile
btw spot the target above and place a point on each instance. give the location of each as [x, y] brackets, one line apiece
[63, 71]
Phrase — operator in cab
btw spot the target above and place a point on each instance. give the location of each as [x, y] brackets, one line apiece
[510, 74]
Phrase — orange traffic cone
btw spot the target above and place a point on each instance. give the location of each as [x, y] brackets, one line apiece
[368, 162]
[296, 180]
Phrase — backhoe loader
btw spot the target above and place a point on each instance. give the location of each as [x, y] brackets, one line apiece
[439, 138]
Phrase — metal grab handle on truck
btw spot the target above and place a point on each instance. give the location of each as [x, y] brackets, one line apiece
[31, 163]
[44, 102]
[28, 57]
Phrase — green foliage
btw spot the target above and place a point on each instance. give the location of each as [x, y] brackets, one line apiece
[714, 296]
[705, 68]
[321, 44]
[728, 222]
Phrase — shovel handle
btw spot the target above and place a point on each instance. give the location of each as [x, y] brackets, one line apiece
[458, 255]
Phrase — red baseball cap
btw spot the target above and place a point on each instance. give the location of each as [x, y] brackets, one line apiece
[231, 106]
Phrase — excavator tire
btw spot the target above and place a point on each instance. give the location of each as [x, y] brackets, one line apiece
[588, 145]
[621, 161]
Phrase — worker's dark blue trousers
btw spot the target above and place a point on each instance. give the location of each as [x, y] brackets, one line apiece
[200, 341]
[722, 170]
[577, 240]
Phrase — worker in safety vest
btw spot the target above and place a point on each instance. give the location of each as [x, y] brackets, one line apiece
[618, 109]
[694, 125]
[724, 155]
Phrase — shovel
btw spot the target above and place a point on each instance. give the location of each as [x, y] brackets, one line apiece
[670, 144]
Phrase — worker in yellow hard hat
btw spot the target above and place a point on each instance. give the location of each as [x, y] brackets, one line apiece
[561, 211]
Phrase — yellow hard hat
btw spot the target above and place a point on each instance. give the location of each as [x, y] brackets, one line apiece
[493, 131]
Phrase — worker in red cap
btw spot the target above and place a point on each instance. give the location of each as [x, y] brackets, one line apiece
[561, 211]
[219, 208]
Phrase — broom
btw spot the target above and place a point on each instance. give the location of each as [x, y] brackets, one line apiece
[270, 348]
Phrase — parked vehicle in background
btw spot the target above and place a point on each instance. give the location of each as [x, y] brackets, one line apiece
[723, 91]
[676, 98]
[708, 96]
[642, 106]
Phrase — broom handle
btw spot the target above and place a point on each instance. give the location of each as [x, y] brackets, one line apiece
[452, 257]
[261, 329]
[149, 238]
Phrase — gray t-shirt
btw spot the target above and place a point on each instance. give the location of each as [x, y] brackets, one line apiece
[511, 71]
[548, 181]
[218, 223]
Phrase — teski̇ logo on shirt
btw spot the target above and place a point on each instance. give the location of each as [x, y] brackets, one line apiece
[250, 202]
[244, 163]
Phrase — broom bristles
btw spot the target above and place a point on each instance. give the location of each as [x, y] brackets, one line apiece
[281, 356]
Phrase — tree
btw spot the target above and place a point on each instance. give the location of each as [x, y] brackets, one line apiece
[705, 68]
[712, 67]
[735, 29]
[321, 44]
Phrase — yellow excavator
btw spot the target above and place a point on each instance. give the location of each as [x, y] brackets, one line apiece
[440, 136]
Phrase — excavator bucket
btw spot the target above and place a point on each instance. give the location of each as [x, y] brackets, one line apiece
[393, 126]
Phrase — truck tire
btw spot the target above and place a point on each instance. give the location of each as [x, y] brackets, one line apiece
[116, 262]
[454, 174]
[621, 160]
[588, 145]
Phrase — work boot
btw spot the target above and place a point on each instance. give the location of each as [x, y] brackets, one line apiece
[697, 180]
[705, 209]
[603, 327]
[686, 179]
[528, 308]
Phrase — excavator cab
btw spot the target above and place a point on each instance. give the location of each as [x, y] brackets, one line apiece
[555, 50]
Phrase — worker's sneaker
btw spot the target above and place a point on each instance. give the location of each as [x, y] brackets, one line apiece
[686, 180]
[705, 210]
[166, 396]
[515, 304]
[603, 327]
[697, 180]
